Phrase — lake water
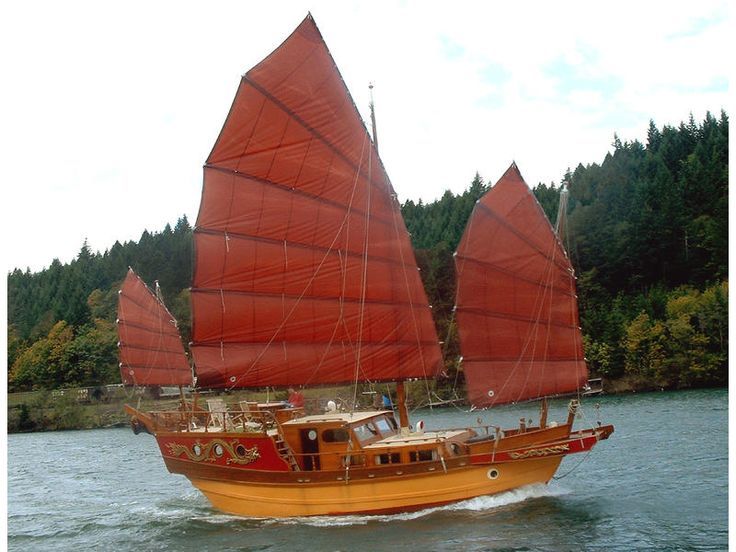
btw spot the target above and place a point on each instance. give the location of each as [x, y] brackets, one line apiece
[660, 482]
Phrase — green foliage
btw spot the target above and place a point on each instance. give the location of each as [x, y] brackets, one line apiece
[442, 221]
[687, 347]
[656, 215]
[61, 321]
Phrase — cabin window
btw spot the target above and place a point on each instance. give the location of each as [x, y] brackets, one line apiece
[392, 458]
[385, 427]
[365, 432]
[339, 435]
[422, 455]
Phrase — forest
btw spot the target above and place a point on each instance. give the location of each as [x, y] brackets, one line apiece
[647, 231]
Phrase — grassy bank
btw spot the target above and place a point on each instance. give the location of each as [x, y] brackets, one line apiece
[54, 410]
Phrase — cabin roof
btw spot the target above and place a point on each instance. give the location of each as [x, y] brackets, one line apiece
[345, 417]
[415, 439]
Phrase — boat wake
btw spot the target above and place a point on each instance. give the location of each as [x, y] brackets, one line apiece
[478, 504]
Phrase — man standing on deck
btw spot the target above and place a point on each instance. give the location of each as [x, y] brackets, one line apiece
[296, 399]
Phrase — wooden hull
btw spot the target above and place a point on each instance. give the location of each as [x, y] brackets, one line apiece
[390, 495]
[247, 473]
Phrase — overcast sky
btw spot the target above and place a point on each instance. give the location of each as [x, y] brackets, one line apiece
[109, 109]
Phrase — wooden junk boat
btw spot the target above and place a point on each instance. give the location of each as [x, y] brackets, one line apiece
[304, 275]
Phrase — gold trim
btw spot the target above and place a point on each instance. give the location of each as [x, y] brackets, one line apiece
[250, 454]
[546, 451]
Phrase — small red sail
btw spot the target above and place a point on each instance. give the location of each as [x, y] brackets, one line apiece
[516, 306]
[304, 271]
[150, 348]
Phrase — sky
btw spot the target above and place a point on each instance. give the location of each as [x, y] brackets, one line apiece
[109, 109]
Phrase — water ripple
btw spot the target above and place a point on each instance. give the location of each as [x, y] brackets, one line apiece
[659, 483]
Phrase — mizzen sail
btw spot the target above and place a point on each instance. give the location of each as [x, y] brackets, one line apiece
[151, 351]
[304, 271]
[516, 305]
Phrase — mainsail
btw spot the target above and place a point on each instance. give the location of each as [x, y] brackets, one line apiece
[304, 271]
[516, 305]
[151, 352]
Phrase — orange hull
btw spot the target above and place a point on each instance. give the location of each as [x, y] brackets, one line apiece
[250, 473]
[398, 494]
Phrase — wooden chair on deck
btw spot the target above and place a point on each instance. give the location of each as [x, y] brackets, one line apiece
[252, 416]
[219, 418]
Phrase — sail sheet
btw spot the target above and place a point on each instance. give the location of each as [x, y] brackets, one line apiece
[150, 348]
[304, 271]
[516, 306]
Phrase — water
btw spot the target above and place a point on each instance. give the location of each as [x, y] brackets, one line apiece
[660, 482]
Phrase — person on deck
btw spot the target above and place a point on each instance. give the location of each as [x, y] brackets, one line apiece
[296, 399]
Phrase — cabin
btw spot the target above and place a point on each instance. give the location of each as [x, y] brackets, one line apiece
[336, 440]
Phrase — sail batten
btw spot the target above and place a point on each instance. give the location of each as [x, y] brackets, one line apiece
[302, 273]
[516, 304]
[520, 318]
[313, 132]
[295, 245]
[526, 238]
[502, 270]
[286, 297]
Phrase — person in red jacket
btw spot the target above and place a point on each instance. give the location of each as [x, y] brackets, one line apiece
[296, 399]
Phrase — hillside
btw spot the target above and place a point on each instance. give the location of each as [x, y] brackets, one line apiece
[647, 233]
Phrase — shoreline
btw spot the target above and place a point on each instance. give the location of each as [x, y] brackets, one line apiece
[39, 414]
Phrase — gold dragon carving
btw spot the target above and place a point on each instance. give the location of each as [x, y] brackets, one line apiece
[207, 452]
[546, 451]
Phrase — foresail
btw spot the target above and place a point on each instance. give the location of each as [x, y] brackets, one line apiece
[150, 348]
[304, 271]
[516, 305]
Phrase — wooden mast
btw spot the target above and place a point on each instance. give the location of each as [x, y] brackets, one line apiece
[373, 119]
[400, 390]
[403, 412]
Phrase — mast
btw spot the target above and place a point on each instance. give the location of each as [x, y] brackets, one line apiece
[562, 211]
[400, 389]
[403, 413]
[373, 119]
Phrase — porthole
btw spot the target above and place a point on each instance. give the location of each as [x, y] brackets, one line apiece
[240, 450]
[312, 435]
[493, 473]
[218, 450]
[490, 393]
[197, 450]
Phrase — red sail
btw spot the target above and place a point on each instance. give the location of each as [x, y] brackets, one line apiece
[150, 348]
[304, 271]
[516, 305]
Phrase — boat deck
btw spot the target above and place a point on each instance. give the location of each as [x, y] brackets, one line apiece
[346, 417]
[415, 439]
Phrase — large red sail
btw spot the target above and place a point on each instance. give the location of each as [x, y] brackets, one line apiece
[304, 271]
[516, 306]
[150, 349]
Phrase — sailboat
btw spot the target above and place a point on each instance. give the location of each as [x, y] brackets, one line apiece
[304, 276]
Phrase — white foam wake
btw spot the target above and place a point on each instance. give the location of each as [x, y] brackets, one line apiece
[478, 504]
